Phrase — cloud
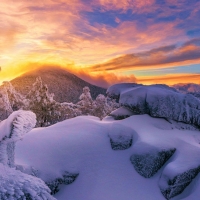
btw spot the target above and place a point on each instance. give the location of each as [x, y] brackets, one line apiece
[147, 34]
[155, 58]
[105, 79]
[170, 79]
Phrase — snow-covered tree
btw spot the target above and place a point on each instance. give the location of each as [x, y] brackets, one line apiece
[13, 183]
[17, 101]
[47, 110]
[13, 129]
[86, 102]
[103, 106]
[41, 102]
[5, 106]
[100, 106]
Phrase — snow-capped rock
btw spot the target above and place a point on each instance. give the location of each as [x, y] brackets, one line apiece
[147, 160]
[121, 113]
[160, 101]
[67, 178]
[121, 137]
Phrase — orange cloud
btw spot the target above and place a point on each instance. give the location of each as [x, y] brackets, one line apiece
[161, 57]
[57, 32]
[170, 79]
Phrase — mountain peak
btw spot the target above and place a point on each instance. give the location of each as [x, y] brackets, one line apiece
[66, 86]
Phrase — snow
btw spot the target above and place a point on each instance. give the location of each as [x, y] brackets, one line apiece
[82, 146]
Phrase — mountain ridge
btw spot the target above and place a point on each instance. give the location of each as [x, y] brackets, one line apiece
[66, 86]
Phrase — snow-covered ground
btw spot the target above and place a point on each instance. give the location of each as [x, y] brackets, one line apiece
[82, 147]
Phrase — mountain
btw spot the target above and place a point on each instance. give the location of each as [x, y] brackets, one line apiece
[187, 88]
[66, 86]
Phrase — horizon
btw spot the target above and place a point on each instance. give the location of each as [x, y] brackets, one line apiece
[103, 42]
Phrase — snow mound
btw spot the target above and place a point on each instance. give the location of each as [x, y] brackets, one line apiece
[159, 101]
[75, 158]
[16, 185]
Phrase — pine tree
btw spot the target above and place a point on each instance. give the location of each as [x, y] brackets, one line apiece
[17, 101]
[5, 106]
[86, 103]
[41, 102]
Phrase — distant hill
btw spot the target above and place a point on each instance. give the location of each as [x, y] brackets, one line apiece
[187, 87]
[66, 86]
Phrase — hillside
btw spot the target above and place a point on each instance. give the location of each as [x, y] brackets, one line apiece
[66, 86]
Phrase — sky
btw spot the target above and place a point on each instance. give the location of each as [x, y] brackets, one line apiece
[103, 41]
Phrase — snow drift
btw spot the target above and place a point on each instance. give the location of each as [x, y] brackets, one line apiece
[85, 158]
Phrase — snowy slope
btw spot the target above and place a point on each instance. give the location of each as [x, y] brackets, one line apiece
[82, 146]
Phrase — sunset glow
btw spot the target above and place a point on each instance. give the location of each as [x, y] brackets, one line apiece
[103, 41]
